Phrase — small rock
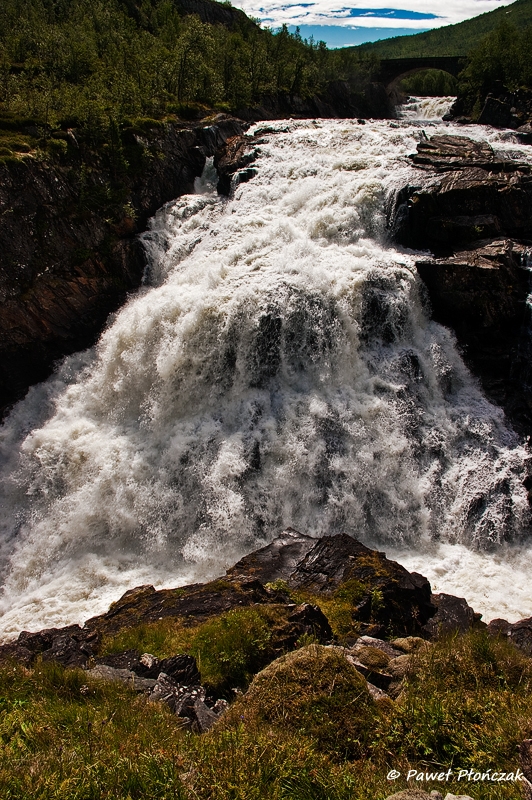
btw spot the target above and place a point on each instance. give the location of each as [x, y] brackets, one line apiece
[377, 693]
[410, 644]
[409, 794]
[450, 796]
[499, 627]
[371, 656]
[148, 660]
[398, 667]
[130, 678]
[220, 706]
[380, 644]
[436, 795]
[204, 717]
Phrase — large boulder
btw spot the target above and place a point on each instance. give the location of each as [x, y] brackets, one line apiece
[389, 597]
[481, 292]
[475, 195]
[519, 633]
[314, 691]
[454, 615]
[475, 214]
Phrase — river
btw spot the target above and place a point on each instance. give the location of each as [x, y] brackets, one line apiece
[278, 368]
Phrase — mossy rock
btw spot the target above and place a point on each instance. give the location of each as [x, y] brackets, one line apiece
[316, 692]
[410, 644]
[372, 657]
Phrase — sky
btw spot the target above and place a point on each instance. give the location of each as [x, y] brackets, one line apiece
[340, 24]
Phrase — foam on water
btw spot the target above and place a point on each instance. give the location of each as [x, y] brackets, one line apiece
[429, 108]
[277, 368]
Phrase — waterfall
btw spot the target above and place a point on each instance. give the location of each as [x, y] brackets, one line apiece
[278, 367]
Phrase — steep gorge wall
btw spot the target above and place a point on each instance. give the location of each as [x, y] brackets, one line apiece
[68, 240]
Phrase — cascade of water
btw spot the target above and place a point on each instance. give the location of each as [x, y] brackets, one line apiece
[429, 108]
[277, 368]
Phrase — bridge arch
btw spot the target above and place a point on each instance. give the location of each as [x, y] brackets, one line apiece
[393, 70]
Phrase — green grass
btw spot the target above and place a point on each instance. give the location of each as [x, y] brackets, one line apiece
[229, 649]
[307, 730]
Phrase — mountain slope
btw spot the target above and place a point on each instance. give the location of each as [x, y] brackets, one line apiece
[452, 40]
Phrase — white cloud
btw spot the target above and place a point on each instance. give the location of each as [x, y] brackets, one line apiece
[334, 12]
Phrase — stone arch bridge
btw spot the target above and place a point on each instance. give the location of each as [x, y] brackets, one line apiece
[393, 70]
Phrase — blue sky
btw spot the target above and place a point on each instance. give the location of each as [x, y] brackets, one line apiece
[340, 24]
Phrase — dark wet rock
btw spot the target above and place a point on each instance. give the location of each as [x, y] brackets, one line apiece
[234, 158]
[204, 717]
[500, 108]
[499, 627]
[386, 600]
[71, 646]
[519, 633]
[477, 220]
[181, 668]
[474, 185]
[391, 598]
[192, 604]
[276, 561]
[481, 293]
[445, 153]
[310, 620]
[524, 133]
[67, 258]
[12, 651]
[498, 113]
[453, 615]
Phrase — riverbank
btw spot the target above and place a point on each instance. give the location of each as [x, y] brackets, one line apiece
[272, 682]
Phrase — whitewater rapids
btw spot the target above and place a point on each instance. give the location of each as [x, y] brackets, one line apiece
[279, 367]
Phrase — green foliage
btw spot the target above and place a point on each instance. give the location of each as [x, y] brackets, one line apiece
[501, 60]
[233, 647]
[451, 40]
[229, 648]
[86, 62]
[429, 83]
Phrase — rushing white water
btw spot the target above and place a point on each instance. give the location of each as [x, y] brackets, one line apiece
[278, 368]
[430, 108]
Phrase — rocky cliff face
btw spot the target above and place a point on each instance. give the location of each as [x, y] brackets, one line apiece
[67, 238]
[476, 219]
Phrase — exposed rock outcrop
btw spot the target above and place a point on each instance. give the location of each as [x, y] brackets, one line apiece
[477, 196]
[454, 615]
[234, 158]
[67, 238]
[477, 220]
[519, 633]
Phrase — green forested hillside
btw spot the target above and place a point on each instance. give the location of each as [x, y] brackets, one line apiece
[452, 40]
[85, 61]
